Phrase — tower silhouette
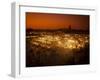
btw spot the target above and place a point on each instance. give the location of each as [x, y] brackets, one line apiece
[69, 27]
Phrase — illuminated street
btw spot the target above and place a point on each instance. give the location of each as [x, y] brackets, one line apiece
[67, 41]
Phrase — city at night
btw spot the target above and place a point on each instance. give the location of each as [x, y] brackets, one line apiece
[56, 39]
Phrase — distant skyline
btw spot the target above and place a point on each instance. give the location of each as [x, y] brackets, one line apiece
[56, 21]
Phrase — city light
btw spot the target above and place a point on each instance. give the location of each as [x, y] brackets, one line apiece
[67, 41]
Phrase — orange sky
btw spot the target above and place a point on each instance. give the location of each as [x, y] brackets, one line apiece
[56, 21]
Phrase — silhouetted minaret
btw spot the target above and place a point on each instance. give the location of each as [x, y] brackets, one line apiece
[69, 27]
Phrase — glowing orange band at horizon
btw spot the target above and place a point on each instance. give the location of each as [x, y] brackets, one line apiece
[55, 21]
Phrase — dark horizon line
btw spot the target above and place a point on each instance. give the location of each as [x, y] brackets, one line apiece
[57, 29]
[69, 30]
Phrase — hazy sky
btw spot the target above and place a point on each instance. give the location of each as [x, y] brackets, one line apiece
[56, 21]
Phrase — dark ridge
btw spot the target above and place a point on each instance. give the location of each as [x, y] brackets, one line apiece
[65, 30]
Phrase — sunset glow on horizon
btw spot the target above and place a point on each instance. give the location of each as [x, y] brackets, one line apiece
[56, 21]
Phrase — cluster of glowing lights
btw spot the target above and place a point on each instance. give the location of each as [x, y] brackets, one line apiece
[67, 41]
